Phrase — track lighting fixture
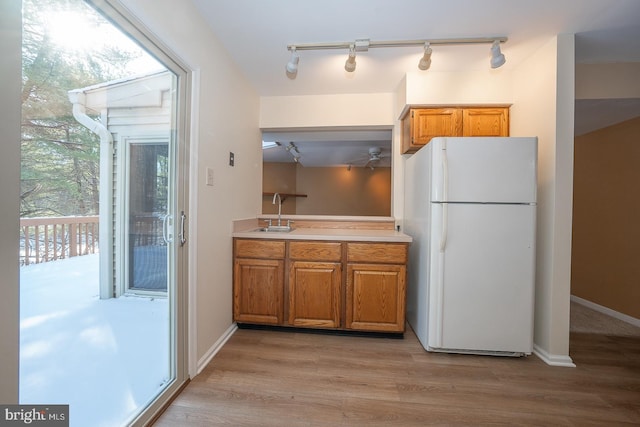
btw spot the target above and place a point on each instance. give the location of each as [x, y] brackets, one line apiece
[363, 45]
[292, 65]
[497, 57]
[293, 150]
[350, 64]
[425, 61]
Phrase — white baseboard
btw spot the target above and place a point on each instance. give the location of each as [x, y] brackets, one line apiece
[553, 359]
[215, 348]
[605, 310]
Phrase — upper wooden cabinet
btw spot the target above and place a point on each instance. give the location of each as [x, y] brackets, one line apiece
[419, 125]
[485, 122]
[422, 124]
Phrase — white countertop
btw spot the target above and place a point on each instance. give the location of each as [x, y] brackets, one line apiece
[342, 234]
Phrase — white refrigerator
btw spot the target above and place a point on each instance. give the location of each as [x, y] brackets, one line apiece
[470, 206]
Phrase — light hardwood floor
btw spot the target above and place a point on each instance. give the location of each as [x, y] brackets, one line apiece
[271, 378]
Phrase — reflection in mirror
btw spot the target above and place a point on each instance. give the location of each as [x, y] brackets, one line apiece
[327, 172]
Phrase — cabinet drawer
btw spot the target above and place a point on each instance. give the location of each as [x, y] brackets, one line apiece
[266, 249]
[315, 251]
[377, 252]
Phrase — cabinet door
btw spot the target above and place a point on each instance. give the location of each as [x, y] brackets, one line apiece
[485, 121]
[314, 294]
[258, 291]
[376, 297]
[426, 123]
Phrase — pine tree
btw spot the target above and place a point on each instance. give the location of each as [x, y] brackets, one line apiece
[60, 157]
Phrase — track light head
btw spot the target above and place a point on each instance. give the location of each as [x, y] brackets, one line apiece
[292, 149]
[497, 57]
[425, 61]
[350, 65]
[292, 65]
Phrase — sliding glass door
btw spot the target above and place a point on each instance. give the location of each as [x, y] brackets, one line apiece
[104, 194]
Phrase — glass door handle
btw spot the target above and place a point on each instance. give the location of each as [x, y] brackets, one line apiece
[166, 235]
[183, 220]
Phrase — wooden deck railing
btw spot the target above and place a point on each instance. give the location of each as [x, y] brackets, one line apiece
[50, 239]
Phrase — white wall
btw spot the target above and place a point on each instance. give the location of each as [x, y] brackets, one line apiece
[459, 88]
[225, 114]
[543, 107]
[10, 85]
[350, 110]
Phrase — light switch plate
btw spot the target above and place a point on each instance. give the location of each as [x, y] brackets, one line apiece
[209, 178]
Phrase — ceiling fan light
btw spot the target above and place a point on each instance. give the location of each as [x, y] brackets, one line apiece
[292, 65]
[497, 57]
[425, 61]
[350, 64]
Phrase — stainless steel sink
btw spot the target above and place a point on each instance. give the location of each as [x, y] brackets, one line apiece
[275, 229]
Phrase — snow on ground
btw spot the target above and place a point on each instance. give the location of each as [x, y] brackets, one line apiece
[105, 358]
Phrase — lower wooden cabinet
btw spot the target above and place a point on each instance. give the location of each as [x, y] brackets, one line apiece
[318, 284]
[376, 297]
[258, 291]
[376, 286]
[258, 281]
[314, 294]
[315, 284]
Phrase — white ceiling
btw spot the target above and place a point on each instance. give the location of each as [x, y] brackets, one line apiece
[256, 34]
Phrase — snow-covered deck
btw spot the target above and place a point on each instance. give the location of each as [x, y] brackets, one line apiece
[105, 358]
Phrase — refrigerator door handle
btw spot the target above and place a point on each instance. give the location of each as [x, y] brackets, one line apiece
[438, 296]
[445, 198]
[445, 173]
[445, 223]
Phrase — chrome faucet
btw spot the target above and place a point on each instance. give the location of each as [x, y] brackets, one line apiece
[277, 195]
